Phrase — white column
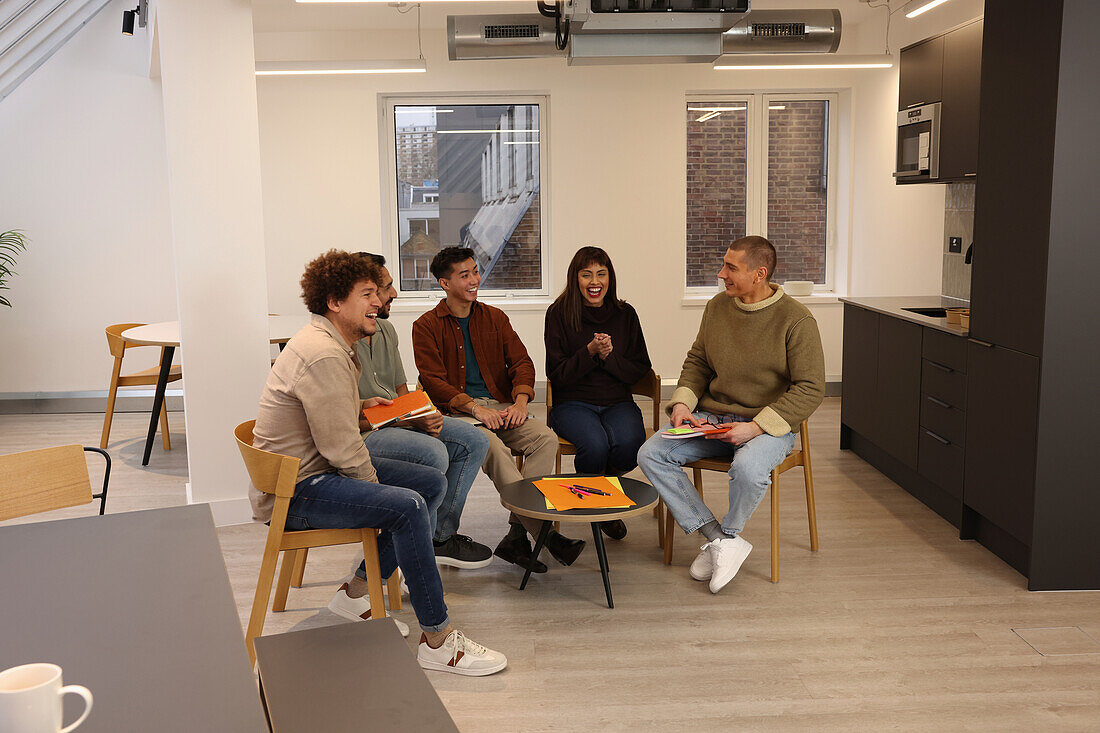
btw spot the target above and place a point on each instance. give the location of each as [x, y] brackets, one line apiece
[207, 68]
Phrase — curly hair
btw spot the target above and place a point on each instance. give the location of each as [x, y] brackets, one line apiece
[333, 275]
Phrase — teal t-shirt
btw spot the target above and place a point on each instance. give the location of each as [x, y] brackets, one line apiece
[475, 383]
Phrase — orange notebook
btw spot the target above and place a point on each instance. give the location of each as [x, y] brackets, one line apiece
[412, 404]
[556, 491]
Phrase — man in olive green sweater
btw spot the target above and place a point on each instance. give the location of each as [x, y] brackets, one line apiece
[757, 368]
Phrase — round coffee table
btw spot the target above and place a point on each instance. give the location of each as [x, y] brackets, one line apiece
[523, 498]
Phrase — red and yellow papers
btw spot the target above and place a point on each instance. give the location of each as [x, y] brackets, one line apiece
[559, 495]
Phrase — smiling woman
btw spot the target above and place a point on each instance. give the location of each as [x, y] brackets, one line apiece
[595, 351]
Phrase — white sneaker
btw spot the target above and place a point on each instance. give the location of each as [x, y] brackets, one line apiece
[726, 555]
[357, 609]
[460, 655]
[702, 567]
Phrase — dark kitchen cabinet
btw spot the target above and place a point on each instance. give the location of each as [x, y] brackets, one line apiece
[921, 73]
[898, 389]
[947, 69]
[903, 403]
[881, 394]
[1002, 394]
[1012, 204]
[962, 78]
[857, 401]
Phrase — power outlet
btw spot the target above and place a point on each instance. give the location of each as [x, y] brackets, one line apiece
[955, 244]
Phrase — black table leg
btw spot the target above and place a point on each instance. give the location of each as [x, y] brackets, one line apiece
[543, 533]
[158, 399]
[601, 553]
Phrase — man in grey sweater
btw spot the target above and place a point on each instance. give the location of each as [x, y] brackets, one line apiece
[756, 368]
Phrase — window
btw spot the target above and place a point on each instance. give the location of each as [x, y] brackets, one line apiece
[474, 181]
[760, 164]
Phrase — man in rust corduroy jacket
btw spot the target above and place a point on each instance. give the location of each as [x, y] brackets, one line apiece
[505, 366]
[472, 363]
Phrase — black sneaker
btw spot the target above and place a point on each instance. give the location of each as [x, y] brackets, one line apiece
[459, 551]
[563, 549]
[615, 529]
[517, 550]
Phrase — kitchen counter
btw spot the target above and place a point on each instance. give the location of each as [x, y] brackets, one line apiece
[892, 306]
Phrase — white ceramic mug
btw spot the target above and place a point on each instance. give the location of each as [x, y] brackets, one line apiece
[30, 699]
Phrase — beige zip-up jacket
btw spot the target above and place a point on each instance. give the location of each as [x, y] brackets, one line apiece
[310, 409]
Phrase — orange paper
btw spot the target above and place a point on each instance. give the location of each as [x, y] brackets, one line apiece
[556, 491]
[411, 404]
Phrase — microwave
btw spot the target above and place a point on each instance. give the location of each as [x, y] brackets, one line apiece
[918, 144]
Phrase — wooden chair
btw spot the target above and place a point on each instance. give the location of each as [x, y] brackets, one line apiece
[145, 377]
[277, 474]
[42, 480]
[798, 457]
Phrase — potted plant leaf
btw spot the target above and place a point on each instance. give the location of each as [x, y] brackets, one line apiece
[11, 243]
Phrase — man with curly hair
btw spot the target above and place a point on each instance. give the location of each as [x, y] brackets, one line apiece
[310, 409]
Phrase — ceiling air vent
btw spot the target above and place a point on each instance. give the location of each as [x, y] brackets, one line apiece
[778, 30]
[509, 32]
[785, 31]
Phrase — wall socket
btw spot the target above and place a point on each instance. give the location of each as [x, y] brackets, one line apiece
[955, 244]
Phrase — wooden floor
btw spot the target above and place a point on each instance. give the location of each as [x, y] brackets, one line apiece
[895, 624]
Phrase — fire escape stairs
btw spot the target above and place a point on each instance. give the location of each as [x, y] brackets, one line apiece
[31, 31]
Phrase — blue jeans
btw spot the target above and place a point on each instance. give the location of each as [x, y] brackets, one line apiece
[332, 501]
[750, 473]
[607, 439]
[457, 452]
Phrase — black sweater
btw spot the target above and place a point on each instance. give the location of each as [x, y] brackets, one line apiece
[577, 375]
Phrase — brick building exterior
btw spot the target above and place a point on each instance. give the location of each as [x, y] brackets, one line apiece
[416, 154]
[717, 162]
[797, 197]
[520, 264]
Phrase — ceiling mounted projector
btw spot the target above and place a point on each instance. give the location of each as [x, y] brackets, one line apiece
[642, 31]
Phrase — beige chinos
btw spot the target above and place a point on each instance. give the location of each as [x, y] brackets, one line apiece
[534, 440]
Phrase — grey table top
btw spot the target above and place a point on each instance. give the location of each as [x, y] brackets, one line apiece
[136, 607]
[893, 305]
[524, 499]
[353, 676]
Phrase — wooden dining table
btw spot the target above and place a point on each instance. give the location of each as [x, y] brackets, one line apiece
[167, 335]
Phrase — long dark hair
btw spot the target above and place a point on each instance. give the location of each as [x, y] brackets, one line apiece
[570, 301]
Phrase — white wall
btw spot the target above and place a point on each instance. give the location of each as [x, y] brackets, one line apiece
[615, 176]
[83, 139]
[85, 175]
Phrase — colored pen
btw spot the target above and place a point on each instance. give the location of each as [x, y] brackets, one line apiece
[592, 491]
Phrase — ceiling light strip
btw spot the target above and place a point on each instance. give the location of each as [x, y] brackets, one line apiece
[747, 62]
[921, 7]
[322, 68]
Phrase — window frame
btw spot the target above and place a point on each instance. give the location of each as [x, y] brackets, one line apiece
[390, 210]
[756, 184]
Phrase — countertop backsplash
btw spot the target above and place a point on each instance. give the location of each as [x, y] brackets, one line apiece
[958, 221]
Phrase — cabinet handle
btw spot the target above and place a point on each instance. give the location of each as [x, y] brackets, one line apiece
[932, 435]
[986, 344]
[914, 104]
[941, 403]
[969, 174]
[941, 366]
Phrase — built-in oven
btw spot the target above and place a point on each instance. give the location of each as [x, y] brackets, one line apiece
[918, 144]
